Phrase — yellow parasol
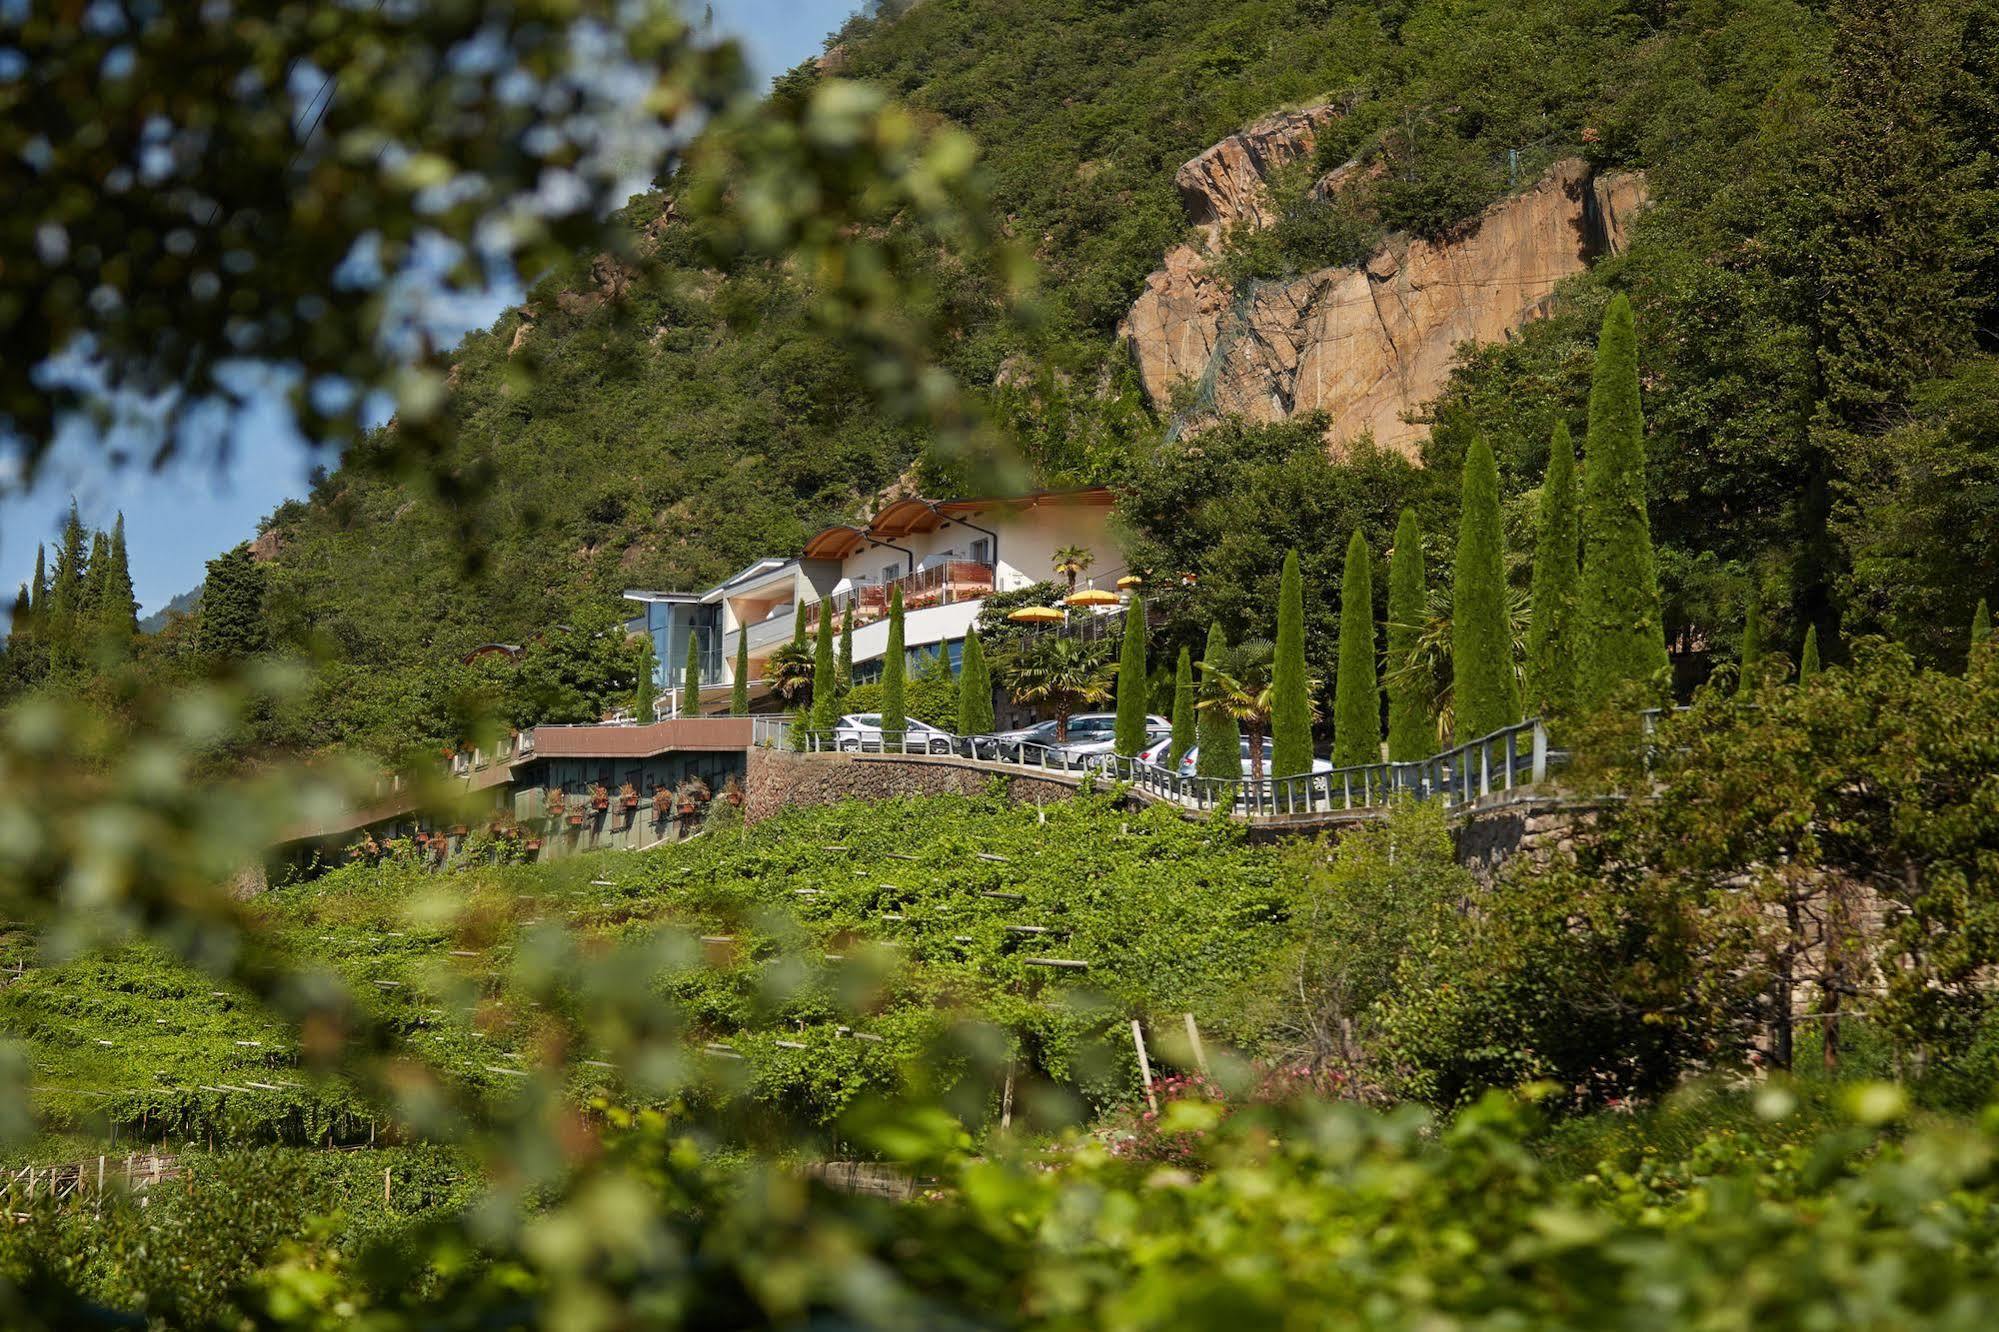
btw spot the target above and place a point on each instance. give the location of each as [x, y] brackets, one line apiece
[1129, 581]
[1037, 615]
[1092, 596]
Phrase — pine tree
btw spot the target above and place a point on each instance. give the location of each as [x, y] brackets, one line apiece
[739, 689]
[232, 607]
[825, 684]
[1618, 624]
[843, 670]
[1183, 709]
[1357, 692]
[1216, 733]
[1808, 660]
[1486, 693]
[1412, 722]
[895, 714]
[1129, 735]
[1290, 686]
[1752, 640]
[690, 677]
[975, 690]
[645, 689]
[118, 609]
[1551, 639]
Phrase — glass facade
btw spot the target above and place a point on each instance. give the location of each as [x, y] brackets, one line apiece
[671, 623]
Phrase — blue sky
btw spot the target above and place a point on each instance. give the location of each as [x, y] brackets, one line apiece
[178, 519]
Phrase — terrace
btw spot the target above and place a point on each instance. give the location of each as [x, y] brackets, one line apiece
[943, 584]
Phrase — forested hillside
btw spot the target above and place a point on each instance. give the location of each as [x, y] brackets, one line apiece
[1812, 283]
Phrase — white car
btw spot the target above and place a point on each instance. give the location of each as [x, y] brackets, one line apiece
[1190, 761]
[862, 731]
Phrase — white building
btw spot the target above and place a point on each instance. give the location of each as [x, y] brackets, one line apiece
[947, 556]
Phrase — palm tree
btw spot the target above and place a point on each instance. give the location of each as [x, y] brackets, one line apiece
[1072, 561]
[1240, 686]
[788, 673]
[1429, 662]
[1064, 673]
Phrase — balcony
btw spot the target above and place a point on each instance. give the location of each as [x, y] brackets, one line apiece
[941, 585]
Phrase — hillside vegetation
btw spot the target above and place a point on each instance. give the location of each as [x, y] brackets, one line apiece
[660, 425]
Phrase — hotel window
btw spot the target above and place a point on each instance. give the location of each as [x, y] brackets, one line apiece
[982, 551]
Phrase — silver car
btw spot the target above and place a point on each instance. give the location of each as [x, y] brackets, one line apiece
[1098, 752]
[1029, 743]
[861, 732]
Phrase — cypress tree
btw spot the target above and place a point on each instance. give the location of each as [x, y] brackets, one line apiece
[1551, 638]
[1412, 722]
[825, 684]
[739, 688]
[645, 691]
[975, 690]
[690, 679]
[1183, 709]
[91, 594]
[66, 586]
[1132, 692]
[1290, 688]
[1357, 693]
[1486, 692]
[1981, 625]
[18, 627]
[1808, 660]
[1752, 639]
[1216, 733]
[38, 592]
[798, 627]
[843, 669]
[895, 716]
[118, 609]
[1618, 623]
[232, 607]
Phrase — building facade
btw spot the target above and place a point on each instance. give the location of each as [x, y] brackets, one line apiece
[947, 557]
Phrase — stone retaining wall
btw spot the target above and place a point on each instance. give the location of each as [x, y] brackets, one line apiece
[779, 780]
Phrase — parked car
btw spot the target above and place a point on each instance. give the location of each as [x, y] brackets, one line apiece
[863, 731]
[1191, 760]
[1096, 753]
[1016, 745]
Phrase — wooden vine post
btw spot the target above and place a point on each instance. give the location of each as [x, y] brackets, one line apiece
[1144, 1065]
[1194, 1040]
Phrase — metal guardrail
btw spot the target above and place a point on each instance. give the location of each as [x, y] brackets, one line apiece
[1506, 760]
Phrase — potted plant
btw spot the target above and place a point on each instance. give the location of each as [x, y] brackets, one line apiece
[600, 797]
[662, 802]
[629, 794]
[556, 802]
[693, 795]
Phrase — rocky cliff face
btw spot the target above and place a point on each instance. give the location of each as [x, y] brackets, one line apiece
[1225, 184]
[1370, 345]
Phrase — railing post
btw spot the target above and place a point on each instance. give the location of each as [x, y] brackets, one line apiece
[1539, 770]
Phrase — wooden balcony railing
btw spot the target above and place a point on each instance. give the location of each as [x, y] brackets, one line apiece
[940, 585]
